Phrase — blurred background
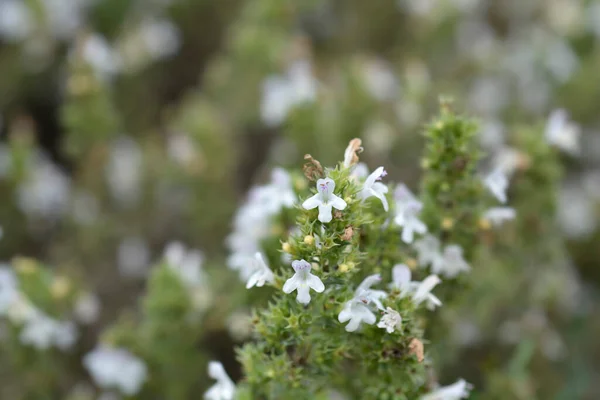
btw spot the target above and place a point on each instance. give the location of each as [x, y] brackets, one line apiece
[128, 125]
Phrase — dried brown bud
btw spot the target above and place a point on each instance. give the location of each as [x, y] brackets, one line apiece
[352, 151]
[312, 168]
[348, 233]
[416, 348]
[337, 214]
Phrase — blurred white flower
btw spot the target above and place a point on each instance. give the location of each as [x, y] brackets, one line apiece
[423, 292]
[379, 79]
[43, 332]
[45, 191]
[303, 281]
[451, 262]
[16, 21]
[325, 199]
[133, 257]
[87, 308]
[390, 321]
[407, 210]
[282, 93]
[497, 183]
[428, 250]
[116, 369]
[181, 148]
[458, 390]
[498, 215]
[186, 263]
[562, 133]
[262, 273]
[576, 214]
[561, 60]
[224, 388]
[372, 187]
[401, 279]
[97, 52]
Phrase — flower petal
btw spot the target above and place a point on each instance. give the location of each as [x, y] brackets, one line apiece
[312, 202]
[291, 284]
[315, 283]
[325, 212]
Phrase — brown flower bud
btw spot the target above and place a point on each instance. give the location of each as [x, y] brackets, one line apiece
[312, 168]
[348, 233]
[416, 348]
[351, 154]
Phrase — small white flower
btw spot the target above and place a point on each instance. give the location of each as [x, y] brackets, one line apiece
[364, 290]
[303, 281]
[374, 188]
[390, 321]
[283, 93]
[325, 200]
[498, 215]
[451, 263]
[43, 332]
[187, 264]
[224, 389]
[282, 193]
[428, 250]
[423, 292]
[456, 391]
[116, 369]
[562, 133]
[401, 279]
[407, 209]
[410, 223]
[262, 273]
[357, 310]
[497, 183]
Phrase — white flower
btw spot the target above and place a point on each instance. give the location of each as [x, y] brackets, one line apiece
[45, 191]
[325, 200]
[16, 20]
[364, 290]
[224, 389]
[374, 188]
[562, 133]
[498, 215]
[401, 279]
[357, 310]
[282, 93]
[116, 369]
[451, 263]
[124, 171]
[380, 80]
[187, 264]
[303, 281]
[407, 209]
[282, 193]
[497, 183]
[262, 273]
[8, 288]
[99, 54]
[423, 292]
[428, 250]
[43, 332]
[390, 321]
[456, 391]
